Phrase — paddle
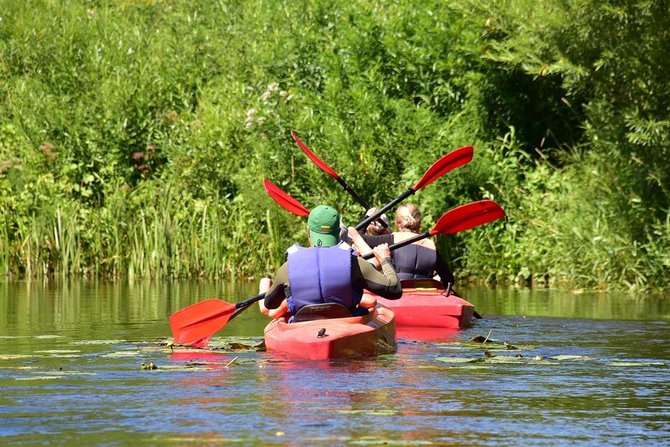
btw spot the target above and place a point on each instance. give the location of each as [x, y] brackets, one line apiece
[455, 220]
[285, 200]
[446, 163]
[200, 320]
[330, 171]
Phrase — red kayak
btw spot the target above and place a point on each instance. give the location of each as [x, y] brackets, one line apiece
[424, 304]
[318, 333]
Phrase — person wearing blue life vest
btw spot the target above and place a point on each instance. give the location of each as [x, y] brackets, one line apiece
[328, 271]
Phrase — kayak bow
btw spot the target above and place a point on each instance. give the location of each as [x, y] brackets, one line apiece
[365, 336]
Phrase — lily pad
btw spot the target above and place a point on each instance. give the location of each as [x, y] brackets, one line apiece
[58, 351]
[223, 345]
[38, 378]
[187, 367]
[371, 440]
[459, 359]
[98, 342]
[122, 354]
[507, 359]
[636, 364]
[491, 345]
[19, 368]
[570, 357]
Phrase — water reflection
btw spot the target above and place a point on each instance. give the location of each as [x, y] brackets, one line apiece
[569, 304]
[75, 308]
[587, 370]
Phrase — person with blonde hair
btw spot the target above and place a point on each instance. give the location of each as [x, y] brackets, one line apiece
[418, 260]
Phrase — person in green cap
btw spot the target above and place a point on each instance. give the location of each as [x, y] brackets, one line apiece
[328, 272]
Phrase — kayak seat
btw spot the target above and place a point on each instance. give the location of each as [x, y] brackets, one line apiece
[321, 312]
[422, 283]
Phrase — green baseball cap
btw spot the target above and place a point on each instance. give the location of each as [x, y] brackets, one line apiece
[324, 226]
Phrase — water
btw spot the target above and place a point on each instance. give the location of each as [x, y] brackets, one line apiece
[588, 370]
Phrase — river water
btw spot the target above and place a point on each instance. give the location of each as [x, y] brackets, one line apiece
[559, 368]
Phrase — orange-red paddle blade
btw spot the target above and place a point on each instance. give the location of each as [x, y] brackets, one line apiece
[197, 322]
[468, 216]
[284, 200]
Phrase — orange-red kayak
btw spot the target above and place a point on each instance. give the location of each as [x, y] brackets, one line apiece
[330, 338]
[424, 304]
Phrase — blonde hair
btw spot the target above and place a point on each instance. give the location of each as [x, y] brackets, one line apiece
[408, 218]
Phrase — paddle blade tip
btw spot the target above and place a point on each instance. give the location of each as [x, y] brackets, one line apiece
[468, 216]
[198, 321]
[285, 200]
[446, 163]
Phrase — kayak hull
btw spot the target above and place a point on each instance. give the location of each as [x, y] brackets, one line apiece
[427, 306]
[365, 336]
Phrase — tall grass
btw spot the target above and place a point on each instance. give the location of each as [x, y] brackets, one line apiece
[214, 243]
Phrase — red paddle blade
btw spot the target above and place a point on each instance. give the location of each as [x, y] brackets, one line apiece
[201, 343]
[448, 162]
[317, 161]
[286, 201]
[193, 325]
[468, 216]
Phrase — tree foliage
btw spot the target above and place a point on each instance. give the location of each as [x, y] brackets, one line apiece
[134, 135]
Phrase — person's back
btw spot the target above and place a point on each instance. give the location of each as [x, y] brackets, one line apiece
[419, 259]
[328, 272]
[321, 275]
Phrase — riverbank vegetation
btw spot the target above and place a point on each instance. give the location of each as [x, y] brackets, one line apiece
[134, 135]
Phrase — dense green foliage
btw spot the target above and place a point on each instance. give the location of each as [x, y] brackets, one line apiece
[134, 135]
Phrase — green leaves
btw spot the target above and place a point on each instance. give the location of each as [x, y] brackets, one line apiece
[147, 126]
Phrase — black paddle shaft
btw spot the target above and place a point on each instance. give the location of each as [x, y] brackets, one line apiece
[357, 198]
[408, 241]
[243, 305]
[365, 222]
[353, 193]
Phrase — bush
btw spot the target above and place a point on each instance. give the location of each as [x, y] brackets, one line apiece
[135, 135]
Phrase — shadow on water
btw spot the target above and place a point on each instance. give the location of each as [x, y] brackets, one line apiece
[89, 363]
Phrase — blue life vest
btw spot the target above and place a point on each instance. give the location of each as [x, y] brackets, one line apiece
[321, 275]
[414, 261]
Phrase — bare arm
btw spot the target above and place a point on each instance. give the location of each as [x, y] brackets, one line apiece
[275, 296]
[362, 246]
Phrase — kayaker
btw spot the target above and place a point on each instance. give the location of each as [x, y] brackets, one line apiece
[418, 260]
[376, 227]
[328, 272]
